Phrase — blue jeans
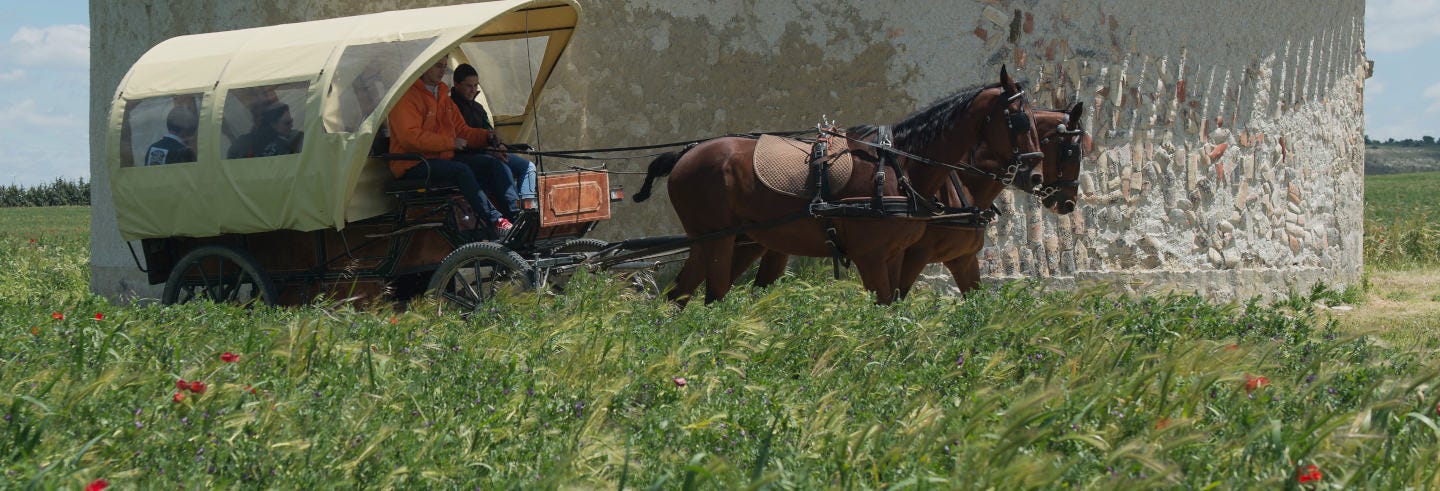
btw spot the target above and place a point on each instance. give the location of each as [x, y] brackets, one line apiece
[499, 178]
[462, 176]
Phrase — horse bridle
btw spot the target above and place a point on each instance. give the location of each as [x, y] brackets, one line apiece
[1019, 124]
[1069, 154]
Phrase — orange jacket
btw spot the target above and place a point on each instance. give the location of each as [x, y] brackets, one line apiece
[428, 125]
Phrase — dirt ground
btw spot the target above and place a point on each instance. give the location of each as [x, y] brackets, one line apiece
[1401, 307]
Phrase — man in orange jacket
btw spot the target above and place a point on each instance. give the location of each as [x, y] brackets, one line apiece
[426, 121]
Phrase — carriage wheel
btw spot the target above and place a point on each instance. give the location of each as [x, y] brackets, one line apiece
[220, 274]
[573, 246]
[476, 272]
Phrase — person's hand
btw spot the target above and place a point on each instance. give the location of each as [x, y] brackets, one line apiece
[495, 140]
[460, 144]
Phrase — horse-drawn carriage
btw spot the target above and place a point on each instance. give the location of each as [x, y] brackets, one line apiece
[251, 166]
[317, 212]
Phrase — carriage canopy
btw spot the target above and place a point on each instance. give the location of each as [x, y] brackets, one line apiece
[281, 119]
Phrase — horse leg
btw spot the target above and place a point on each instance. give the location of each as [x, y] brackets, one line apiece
[966, 270]
[875, 275]
[772, 267]
[914, 262]
[745, 255]
[691, 274]
[718, 270]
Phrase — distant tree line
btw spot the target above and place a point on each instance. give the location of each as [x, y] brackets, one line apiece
[58, 193]
[1424, 141]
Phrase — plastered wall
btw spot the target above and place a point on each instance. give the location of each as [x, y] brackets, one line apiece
[1227, 135]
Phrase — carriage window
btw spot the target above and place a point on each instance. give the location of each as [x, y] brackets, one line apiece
[160, 130]
[364, 74]
[507, 71]
[263, 121]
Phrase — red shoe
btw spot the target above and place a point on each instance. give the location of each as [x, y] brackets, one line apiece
[503, 225]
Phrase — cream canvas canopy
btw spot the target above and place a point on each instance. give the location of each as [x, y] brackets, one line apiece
[338, 78]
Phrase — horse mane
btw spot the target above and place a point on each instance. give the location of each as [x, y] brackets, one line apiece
[922, 127]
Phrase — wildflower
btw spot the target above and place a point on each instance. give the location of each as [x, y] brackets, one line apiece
[1252, 383]
[197, 387]
[179, 396]
[32, 241]
[249, 389]
[1162, 424]
[97, 485]
[57, 316]
[1232, 347]
[99, 316]
[1311, 474]
[229, 357]
[394, 320]
[34, 331]
[680, 381]
[182, 384]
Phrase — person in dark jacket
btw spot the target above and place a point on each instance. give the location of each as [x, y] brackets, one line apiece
[176, 147]
[274, 134]
[467, 87]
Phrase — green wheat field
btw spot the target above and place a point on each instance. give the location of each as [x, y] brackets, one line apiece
[802, 386]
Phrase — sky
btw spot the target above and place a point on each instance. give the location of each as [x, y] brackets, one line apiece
[45, 57]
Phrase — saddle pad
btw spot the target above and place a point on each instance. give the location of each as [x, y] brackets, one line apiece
[783, 164]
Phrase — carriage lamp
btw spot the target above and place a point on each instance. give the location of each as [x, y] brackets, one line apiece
[617, 194]
[530, 203]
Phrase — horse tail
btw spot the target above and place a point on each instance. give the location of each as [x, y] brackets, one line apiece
[660, 167]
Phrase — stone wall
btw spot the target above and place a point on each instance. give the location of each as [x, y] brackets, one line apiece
[1228, 151]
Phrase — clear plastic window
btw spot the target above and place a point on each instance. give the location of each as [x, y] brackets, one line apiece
[364, 74]
[263, 121]
[507, 70]
[160, 130]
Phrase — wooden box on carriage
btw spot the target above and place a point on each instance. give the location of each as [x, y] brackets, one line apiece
[573, 198]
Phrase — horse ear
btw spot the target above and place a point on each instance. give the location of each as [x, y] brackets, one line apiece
[1005, 80]
[1076, 110]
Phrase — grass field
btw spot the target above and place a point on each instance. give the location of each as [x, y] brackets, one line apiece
[805, 386]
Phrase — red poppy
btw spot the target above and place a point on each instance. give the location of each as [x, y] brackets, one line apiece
[32, 241]
[1162, 424]
[57, 316]
[197, 387]
[179, 396]
[680, 381]
[1252, 383]
[250, 389]
[97, 485]
[394, 320]
[99, 316]
[34, 331]
[1311, 474]
[182, 384]
[229, 357]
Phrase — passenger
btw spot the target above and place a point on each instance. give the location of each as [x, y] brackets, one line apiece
[274, 134]
[427, 122]
[178, 146]
[467, 87]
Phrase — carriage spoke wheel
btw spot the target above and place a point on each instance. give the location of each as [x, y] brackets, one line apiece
[475, 273]
[220, 274]
[574, 246]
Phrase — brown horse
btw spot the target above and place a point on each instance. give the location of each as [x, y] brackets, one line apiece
[717, 195]
[957, 245]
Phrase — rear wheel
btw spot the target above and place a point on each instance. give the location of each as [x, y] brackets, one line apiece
[220, 274]
[475, 273]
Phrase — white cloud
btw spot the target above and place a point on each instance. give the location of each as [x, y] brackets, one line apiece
[63, 45]
[1432, 93]
[1374, 87]
[27, 114]
[12, 75]
[1399, 25]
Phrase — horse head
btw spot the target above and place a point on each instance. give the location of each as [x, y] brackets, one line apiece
[1064, 143]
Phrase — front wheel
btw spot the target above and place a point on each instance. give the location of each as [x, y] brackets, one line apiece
[475, 273]
[221, 274]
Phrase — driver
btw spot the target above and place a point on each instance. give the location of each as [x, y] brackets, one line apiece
[426, 121]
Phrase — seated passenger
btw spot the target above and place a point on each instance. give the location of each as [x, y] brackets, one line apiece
[274, 134]
[178, 146]
[426, 121]
[467, 86]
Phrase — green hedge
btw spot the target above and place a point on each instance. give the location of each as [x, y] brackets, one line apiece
[58, 193]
